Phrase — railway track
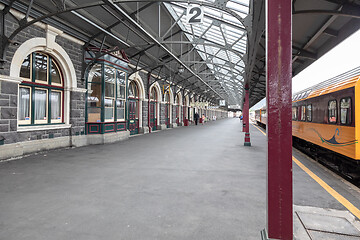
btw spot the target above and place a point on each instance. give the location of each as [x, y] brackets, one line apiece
[327, 159]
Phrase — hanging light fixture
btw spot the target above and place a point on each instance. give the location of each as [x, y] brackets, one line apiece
[181, 69]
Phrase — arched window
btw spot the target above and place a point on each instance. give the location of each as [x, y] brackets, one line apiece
[41, 93]
[167, 97]
[133, 90]
[153, 94]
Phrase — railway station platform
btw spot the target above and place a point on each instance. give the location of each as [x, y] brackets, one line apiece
[197, 182]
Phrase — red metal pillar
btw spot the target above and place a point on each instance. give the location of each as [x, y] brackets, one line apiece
[244, 113]
[246, 119]
[278, 95]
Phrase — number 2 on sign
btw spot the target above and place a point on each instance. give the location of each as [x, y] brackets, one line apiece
[194, 14]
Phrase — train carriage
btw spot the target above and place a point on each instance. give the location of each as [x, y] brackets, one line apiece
[328, 115]
[326, 120]
[261, 116]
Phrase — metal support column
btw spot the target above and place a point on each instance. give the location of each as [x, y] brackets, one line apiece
[244, 112]
[246, 119]
[278, 95]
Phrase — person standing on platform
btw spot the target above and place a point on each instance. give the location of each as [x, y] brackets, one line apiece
[196, 117]
[203, 119]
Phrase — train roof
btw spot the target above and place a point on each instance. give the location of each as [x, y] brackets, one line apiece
[342, 81]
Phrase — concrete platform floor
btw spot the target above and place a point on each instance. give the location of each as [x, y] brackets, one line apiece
[196, 182]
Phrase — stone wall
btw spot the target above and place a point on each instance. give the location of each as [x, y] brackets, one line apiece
[29, 32]
[9, 90]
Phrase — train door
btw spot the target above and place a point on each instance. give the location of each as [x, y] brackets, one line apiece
[133, 119]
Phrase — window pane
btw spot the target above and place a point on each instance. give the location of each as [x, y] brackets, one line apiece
[133, 90]
[120, 84]
[94, 114]
[109, 81]
[109, 89]
[25, 68]
[303, 113]
[94, 95]
[95, 74]
[120, 109]
[345, 111]
[153, 94]
[24, 103]
[294, 113]
[332, 111]
[40, 104]
[55, 73]
[109, 109]
[55, 105]
[309, 113]
[40, 67]
[121, 94]
[121, 77]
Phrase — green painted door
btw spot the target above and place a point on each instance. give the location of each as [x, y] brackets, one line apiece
[153, 121]
[133, 120]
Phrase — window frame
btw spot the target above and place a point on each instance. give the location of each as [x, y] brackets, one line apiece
[47, 82]
[34, 84]
[112, 98]
[42, 121]
[303, 113]
[350, 110]
[294, 118]
[61, 107]
[118, 98]
[101, 68]
[25, 122]
[336, 113]
[307, 110]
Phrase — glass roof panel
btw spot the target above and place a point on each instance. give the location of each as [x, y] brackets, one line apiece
[220, 41]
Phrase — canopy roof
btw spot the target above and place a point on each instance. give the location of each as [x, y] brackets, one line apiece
[214, 59]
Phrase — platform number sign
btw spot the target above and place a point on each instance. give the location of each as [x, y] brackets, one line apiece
[194, 14]
[222, 103]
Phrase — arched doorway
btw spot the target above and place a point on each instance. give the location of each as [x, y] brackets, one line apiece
[167, 109]
[153, 108]
[133, 120]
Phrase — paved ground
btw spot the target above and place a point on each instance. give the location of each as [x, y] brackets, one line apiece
[186, 183]
[196, 182]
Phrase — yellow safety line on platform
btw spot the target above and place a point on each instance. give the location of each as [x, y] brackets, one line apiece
[323, 184]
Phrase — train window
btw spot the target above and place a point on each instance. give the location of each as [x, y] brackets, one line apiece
[345, 111]
[294, 113]
[332, 111]
[303, 113]
[309, 113]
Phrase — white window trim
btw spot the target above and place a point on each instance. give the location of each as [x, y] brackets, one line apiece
[42, 127]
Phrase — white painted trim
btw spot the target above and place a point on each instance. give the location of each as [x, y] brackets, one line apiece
[4, 78]
[159, 99]
[136, 77]
[42, 127]
[139, 83]
[59, 54]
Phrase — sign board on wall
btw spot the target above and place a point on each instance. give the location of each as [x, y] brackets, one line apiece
[194, 14]
[199, 104]
[222, 103]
